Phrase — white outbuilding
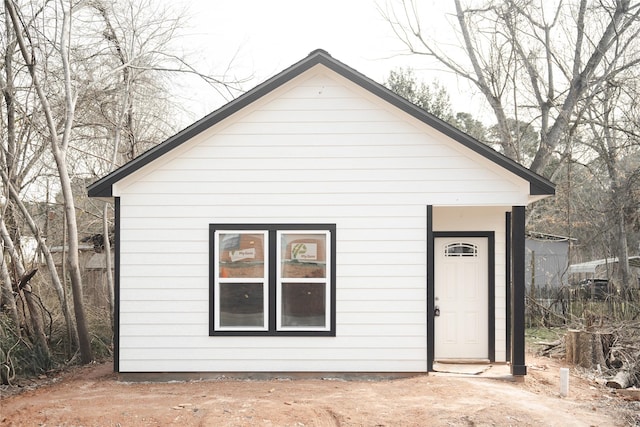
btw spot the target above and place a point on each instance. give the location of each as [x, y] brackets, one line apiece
[319, 223]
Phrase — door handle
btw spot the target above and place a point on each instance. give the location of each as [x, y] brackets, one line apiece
[436, 311]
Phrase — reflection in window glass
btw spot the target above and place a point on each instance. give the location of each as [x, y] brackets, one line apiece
[241, 255]
[303, 304]
[241, 304]
[303, 255]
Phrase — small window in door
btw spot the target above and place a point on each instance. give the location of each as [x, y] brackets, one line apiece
[461, 249]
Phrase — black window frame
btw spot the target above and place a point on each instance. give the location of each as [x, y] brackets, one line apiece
[272, 231]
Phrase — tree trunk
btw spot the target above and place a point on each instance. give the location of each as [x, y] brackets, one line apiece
[39, 336]
[8, 297]
[108, 263]
[622, 247]
[73, 260]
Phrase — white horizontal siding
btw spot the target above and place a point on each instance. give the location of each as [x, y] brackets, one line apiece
[173, 329]
[196, 218]
[303, 199]
[371, 115]
[179, 193]
[159, 317]
[318, 150]
[286, 344]
[419, 176]
[217, 165]
[179, 303]
[356, 364]
[278, 356]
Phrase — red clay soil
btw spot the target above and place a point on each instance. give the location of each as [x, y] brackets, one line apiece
[93, 396]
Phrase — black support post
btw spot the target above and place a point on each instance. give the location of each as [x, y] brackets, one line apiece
[518, 366]
[507, 274]
[116, 287]
[430, 290]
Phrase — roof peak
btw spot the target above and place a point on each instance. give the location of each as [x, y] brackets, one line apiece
[319, 51]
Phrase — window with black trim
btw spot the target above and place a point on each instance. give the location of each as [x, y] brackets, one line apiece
[272, 279]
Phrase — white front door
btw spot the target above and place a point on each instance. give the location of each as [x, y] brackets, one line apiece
[461, 298]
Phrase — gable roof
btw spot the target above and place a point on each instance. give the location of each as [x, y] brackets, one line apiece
[103, 187]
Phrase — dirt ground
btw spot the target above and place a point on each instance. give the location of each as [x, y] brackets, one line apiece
[93, 396]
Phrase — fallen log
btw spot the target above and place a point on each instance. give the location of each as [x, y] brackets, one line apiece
[551, 349]
[621, 380]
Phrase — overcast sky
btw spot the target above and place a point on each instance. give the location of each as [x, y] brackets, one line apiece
[267, 36]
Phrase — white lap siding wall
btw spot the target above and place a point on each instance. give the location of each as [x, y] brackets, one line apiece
[318, 149]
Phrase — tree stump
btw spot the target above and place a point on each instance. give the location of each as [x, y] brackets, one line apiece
[586, 349]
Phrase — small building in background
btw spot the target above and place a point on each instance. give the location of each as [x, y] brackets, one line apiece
[546, 262]
[94, 277]
[603, 271]
[93, 270]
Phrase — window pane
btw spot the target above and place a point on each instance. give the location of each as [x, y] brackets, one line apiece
[241, 255]
[461, 249]
[303, 255]
[303, 304]
[242, 304]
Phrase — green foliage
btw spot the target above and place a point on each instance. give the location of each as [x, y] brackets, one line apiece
[544, 334]
[524, 136]
[471, 126]
[434, 99]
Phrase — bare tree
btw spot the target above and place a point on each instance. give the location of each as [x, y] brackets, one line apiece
[615, 137]
[21, 158]
[532, 60]
[88, 74]
[59, 139]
